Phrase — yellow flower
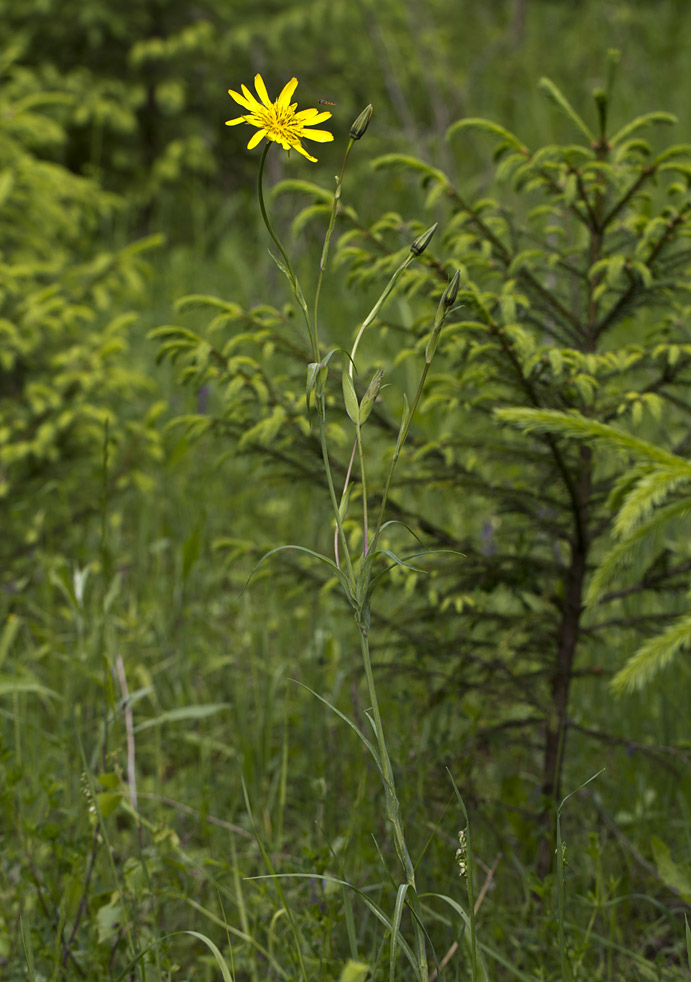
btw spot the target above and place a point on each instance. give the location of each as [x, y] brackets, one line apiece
[278, 120]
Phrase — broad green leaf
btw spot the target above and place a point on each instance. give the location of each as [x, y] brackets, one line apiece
[354, 971]
[677, 878]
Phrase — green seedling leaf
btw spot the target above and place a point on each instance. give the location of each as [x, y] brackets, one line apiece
[354, 971]
[547, 86]
[674, 876]
[109, 918]
[688, 940]
[108, 802]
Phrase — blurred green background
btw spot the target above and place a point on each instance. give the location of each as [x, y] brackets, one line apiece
[127, 541]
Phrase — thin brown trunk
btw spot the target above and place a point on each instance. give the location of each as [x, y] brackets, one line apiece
[569, 629]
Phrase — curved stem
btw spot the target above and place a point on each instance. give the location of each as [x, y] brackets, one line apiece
[287, 266]
[378, 305]
[265, 216]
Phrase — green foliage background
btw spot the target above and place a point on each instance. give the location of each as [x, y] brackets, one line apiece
[128, 535]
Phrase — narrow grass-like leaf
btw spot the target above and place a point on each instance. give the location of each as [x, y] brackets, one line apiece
[28, 949]
[295, 930]
[396, 927]
[182, 715]
[342, 579]
[368, 743]
[467, 938]
[688, 940]
[9, 633]
[13, 686]
[225, 972]
[369, 903]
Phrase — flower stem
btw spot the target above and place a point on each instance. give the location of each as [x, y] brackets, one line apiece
[287, 266]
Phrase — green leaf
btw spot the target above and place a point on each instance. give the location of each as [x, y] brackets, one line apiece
[184, 714]
[486, 126]
[647, 119]
[218, 957]
[350, 398]
[674, 876]
[108, 801]
[547, 86]
[396, 927]
[10, 685]
[653, 656]
[354, 971]
[342, 579]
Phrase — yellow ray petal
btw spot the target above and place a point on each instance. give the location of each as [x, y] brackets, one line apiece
[319, 136]
[234, 122]
[317, 118]
[252, 103]
[241, 100]
[257, 138]
[261, 90]
[304, 153]
[287, 91]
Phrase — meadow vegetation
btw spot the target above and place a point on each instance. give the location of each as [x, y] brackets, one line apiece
[344, 589]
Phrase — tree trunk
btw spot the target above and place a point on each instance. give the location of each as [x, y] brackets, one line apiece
[569, 629]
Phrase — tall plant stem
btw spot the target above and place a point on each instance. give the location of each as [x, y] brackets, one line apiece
[332, 493]
[393, 811]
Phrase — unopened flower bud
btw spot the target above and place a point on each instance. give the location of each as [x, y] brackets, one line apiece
[422, 241]
[370, 397]
[451, 292]
[359, 127]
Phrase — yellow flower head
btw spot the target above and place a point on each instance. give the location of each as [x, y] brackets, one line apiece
[278, 120]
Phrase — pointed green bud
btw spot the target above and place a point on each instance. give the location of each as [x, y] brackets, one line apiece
[359, 127]
[370, 397]
[451, 292]
[422, 241]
